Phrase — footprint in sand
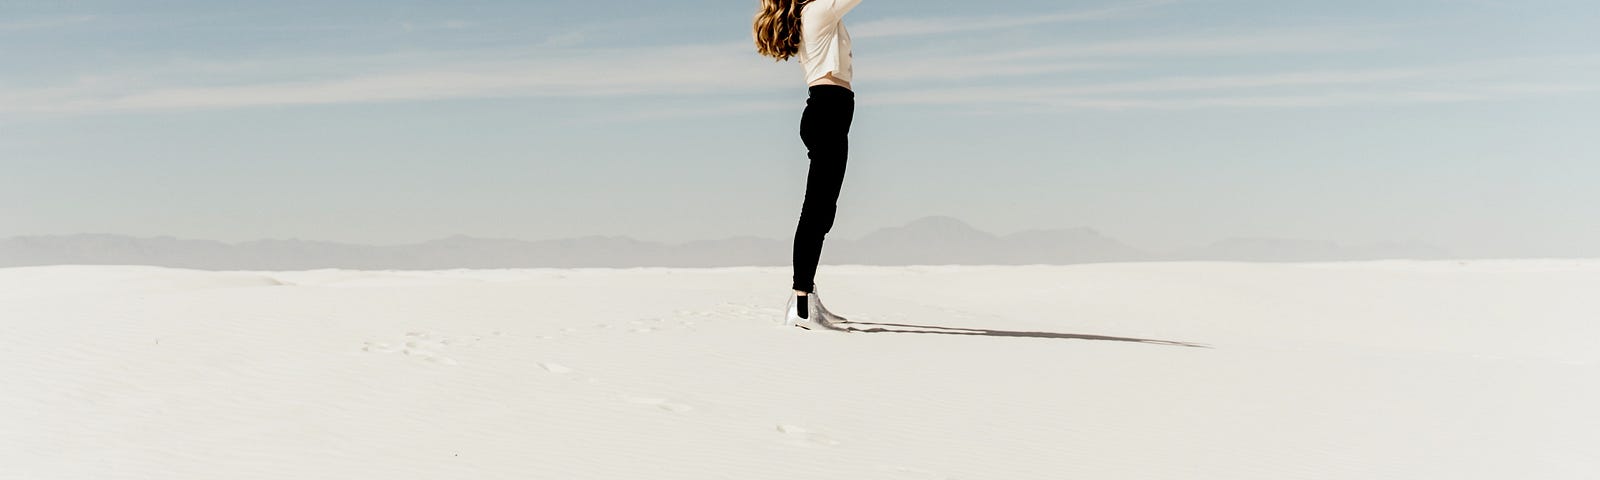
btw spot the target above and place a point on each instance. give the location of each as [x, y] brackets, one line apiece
[441, 360]
[555, 368]
[662, 403]
[568, 372]
[800, 436]
[645, 325]
[378, 347]
[409, 349]
[423, 345]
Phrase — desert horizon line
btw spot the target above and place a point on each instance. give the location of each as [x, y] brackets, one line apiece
[922, 220]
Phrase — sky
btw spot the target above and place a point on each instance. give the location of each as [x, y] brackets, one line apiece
[1466, 125]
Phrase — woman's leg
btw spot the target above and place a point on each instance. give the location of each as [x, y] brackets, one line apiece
[825, 128]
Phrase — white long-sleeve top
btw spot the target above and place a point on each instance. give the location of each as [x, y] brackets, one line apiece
[824, 43]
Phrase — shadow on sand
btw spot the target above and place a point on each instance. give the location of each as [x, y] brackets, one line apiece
[929, 329]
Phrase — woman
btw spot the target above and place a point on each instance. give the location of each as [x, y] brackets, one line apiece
[814, 31]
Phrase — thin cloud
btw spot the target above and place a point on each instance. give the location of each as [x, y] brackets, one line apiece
[44, 22]
[425, 26]
[673, 70]
[733, 108]
[1253, 43]
[1309, 100]
[564, 40]
[1447, 83]
[677, 70]
[932, 26]
[1436, 84]
[1164, 85]
[550, 69]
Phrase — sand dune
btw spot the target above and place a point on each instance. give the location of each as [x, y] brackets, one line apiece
[1174, 370]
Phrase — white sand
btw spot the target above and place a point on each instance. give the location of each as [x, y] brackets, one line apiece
[1362, 370]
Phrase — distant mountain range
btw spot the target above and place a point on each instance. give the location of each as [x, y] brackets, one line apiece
[936, 240]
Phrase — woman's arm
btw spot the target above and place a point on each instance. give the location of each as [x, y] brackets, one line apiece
[838, 7]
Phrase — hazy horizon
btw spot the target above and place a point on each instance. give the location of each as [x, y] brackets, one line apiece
[935, 240]
[1165, 124]
[831, 236]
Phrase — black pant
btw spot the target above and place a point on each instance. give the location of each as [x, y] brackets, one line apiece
[825, 128]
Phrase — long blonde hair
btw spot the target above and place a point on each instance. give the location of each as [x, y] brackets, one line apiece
[777, 28]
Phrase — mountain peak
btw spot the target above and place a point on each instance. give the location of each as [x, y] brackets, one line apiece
[938, 223]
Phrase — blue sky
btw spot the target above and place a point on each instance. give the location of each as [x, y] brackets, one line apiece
[1463, 124]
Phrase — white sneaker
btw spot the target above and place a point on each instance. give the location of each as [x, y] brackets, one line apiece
[817, 317]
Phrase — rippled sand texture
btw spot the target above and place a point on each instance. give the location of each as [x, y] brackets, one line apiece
[1182, 370]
